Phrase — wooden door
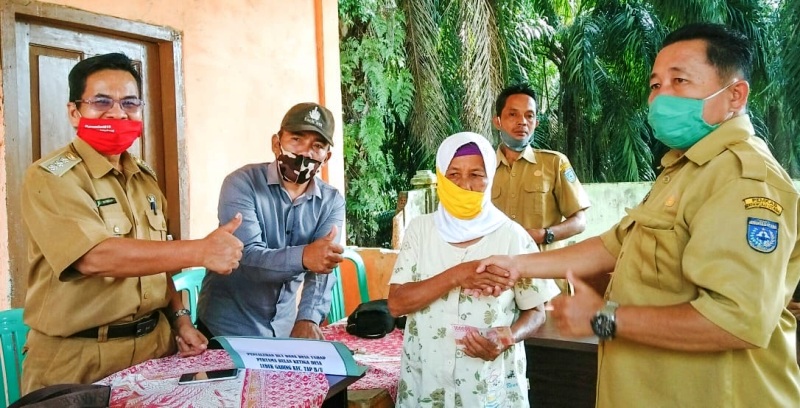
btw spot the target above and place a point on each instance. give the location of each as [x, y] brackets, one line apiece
[45, 53]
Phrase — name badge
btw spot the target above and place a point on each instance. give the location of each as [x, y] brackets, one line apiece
[105, 201]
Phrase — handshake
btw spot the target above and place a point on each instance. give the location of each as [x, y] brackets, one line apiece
[486, 277]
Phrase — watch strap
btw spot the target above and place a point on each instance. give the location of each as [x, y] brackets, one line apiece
[610, 308]
[181, 312]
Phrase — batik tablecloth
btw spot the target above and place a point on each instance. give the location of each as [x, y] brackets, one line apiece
[382, 356]
[154, 383]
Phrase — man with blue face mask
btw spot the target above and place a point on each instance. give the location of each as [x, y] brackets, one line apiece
[290, 230]
[703, 269]
[536, 188]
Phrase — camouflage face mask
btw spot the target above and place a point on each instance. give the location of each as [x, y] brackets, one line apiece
[296, 168]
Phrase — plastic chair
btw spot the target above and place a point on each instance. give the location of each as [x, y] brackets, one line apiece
[13, 332]
[338, 311]
[190, 280]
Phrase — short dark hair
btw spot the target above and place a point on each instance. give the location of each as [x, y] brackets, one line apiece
[727, 50]
[82, 70]
[522, 88]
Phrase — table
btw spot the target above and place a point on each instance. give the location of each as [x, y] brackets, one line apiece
[381, 356]
[562, 371]
[154, 383]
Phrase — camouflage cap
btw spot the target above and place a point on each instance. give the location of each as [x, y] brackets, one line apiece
[309, 116]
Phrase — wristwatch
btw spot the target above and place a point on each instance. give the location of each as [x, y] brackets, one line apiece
[604, 322]
[549, 237]
[181, 312]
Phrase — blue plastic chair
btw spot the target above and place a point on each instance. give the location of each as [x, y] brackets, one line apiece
[190, 280]
[13, 332]
[338, 311]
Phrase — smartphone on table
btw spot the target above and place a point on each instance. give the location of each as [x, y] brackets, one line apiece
[205, 376]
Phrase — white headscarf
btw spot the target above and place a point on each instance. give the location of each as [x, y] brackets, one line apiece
[490, 218]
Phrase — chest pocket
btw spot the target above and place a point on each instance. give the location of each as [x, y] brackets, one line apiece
[536, 192]
[157, 226]
[117, 223]
[659, 248]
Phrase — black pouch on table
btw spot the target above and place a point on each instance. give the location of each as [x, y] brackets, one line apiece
[371, 320]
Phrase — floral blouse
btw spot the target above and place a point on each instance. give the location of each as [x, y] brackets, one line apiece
[435, 372]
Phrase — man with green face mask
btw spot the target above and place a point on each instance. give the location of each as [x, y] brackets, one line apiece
[703, 269]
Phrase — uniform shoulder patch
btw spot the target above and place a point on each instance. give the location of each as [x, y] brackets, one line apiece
[61, 163]
[762, 235]
[568, 172]
[144, 166]
[763, 202]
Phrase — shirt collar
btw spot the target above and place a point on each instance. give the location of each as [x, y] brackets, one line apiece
[731, 131]
[98, 164]
[527, 154]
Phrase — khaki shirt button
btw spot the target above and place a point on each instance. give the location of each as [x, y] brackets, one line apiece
[667, 179]
[513, 217]
[146, 295]
[513, 195]
[513, 174]
[116, 229]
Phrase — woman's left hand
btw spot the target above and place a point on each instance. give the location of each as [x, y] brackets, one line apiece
[480, 347]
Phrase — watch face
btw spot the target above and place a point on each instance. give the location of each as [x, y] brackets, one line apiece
[603, 326]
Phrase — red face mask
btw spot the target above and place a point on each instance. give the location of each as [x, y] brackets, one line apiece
[109, 136]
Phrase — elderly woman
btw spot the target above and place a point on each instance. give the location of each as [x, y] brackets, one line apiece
[450, 357]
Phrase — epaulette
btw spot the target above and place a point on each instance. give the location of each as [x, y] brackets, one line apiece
[552, 152]
[61, 163]
[754, 166]
[144, 166]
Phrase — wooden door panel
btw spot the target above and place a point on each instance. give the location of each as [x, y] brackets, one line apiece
[50, 95]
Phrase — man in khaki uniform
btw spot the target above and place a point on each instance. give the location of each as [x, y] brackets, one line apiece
[536, 188]
[695, 314]
[98, 297]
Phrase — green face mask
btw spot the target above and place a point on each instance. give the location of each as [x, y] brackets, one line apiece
[678, 122]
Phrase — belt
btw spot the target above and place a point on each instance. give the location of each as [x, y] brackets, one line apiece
[137, 328]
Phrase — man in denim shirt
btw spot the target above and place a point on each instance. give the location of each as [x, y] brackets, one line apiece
[290, 230]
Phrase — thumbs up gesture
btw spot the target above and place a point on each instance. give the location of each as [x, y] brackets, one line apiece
[573, 314]
[221, 249]
[324, 254]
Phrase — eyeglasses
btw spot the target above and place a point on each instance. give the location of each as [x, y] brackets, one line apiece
[104, 103]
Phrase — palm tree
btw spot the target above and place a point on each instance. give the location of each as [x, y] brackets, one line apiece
[788, 84]
[589, 59]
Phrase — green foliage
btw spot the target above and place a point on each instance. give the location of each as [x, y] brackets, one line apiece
[378, 92]
[589, 60]
[789, 85]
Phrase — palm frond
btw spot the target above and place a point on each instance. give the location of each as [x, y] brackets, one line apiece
[429, 116]
[790, 66]
[477, 72]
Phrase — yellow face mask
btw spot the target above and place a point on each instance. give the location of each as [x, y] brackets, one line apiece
[460, 203]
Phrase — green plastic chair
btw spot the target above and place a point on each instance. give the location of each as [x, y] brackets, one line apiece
[337, 301]
[13, 332]
[190, 280]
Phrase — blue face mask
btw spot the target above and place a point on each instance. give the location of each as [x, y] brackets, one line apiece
[513, 143]
[678, 122]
